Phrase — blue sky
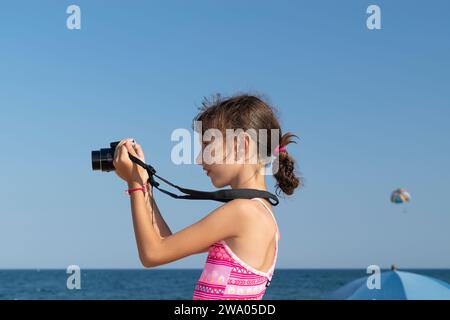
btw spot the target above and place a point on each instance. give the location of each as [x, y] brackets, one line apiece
[371, 108]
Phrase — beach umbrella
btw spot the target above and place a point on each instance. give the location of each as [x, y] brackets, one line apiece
[395, 285]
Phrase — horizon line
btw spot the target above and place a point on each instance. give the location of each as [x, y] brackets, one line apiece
[176, 269]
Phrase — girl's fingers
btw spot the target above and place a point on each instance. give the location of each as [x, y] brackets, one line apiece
[117, 155]
[130, 149]
[139, 151]
[125, 141]
[124, 152]
[119, 146]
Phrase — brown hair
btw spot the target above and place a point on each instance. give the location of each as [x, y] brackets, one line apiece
[246, 112]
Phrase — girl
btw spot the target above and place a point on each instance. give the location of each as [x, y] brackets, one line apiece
[241, 236]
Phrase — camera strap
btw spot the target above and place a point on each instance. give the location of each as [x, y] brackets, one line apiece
[223, 195]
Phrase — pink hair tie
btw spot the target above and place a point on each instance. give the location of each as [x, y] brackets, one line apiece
[279, 149]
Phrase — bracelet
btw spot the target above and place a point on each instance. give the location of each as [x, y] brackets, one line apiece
[143, 188]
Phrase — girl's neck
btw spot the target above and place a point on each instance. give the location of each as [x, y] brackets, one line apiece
[249, 180]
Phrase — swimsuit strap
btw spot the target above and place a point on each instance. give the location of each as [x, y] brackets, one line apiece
[271, 213]
[277, 234]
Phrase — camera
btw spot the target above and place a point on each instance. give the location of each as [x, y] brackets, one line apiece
[102, 160]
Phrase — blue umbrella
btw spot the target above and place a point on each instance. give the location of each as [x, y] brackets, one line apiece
[395, 285]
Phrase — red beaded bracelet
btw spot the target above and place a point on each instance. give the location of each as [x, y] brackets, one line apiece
[143, 189]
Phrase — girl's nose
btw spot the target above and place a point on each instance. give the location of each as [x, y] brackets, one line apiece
[198, 159]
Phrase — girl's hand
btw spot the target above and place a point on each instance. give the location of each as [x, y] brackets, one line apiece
[124, 167]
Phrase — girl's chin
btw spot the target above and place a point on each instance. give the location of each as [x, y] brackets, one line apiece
[217, 184]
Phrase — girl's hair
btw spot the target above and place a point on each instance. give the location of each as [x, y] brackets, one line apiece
[246, 112]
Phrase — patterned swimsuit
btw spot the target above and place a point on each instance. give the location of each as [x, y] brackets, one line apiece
[226, 277]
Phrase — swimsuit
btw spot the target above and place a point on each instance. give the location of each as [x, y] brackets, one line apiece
[226, 277]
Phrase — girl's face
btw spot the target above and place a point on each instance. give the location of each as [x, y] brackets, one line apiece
[223, 167]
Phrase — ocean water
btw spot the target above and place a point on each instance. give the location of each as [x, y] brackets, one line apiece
[158, 284]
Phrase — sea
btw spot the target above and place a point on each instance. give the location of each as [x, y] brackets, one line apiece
[173, 284]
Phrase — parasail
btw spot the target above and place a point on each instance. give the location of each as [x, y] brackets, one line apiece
[400, 195]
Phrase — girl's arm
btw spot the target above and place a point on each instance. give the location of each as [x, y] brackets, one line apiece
[156, 218]
[155, 250]
[158, 221]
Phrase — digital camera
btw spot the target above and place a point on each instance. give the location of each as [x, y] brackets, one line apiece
[102, 160]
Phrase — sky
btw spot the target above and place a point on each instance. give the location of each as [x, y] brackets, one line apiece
[371, 108]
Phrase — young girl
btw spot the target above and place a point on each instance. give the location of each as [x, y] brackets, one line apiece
[241, 236]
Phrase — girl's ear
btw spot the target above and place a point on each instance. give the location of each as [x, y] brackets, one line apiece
[235, 148]
[243, 147]
[248, 150]
[251, 150]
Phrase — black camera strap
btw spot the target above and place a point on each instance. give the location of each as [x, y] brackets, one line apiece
[223, 195]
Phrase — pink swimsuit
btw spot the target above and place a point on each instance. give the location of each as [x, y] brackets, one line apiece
[226, 277]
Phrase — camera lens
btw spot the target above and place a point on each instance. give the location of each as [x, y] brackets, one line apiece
[107, 157]
[102, 160]
[96, 162]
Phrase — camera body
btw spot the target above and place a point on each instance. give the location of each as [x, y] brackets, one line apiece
[102, 160]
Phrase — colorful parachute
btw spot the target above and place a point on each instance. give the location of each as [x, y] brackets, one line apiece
[400, 196]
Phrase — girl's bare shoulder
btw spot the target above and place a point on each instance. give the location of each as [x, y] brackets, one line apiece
[240, 211]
